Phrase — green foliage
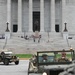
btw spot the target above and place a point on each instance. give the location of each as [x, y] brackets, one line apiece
[59, 55]
[24, 55]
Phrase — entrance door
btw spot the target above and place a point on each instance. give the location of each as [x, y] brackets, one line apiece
[57, 28]
[15, 28]
[36, 21]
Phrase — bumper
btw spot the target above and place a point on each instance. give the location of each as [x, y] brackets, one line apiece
[14, 60]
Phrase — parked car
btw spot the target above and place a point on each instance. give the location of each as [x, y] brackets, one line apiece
[51, 62]
[8, 57]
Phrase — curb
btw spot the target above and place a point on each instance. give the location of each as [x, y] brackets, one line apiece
[24, 58]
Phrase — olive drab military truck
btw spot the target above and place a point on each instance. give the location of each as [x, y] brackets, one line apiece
[51, 62]
[8, 57]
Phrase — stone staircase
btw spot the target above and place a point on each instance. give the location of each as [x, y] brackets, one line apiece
[51, 41]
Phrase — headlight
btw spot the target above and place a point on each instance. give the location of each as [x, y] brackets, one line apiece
[44, 73]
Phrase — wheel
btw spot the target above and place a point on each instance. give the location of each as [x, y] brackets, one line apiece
[6, 62]
[17, 62]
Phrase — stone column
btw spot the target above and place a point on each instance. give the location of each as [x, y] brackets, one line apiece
[42, 15]
[63, 14]
[9, 13]
[52, 15]
[19, 15]
[30, 15]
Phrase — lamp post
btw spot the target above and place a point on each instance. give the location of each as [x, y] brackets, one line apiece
[7, 29]
[7, 32]
[65, 30]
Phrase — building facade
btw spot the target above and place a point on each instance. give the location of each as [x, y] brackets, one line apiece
[37, 15]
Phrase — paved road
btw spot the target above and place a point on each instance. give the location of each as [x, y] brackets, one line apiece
[13, 69]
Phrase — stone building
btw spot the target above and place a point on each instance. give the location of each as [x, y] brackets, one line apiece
[40, 15]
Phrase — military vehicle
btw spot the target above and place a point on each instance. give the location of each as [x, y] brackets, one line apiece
[70, 70]
[51, 62]
[7, 57]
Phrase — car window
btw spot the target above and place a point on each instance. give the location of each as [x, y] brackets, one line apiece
[55, 57]
[66, 55]
[46, 57]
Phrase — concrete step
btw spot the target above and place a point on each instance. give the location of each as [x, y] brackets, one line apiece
[18, 44]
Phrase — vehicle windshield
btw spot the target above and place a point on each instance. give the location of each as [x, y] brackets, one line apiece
[55, 57]
[49, 57]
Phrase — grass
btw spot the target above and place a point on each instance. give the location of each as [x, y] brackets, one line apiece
[24, 55]
[30, 55]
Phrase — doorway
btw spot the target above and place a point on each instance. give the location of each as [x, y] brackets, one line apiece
[36, 21]
[57, 27]
[15, 28]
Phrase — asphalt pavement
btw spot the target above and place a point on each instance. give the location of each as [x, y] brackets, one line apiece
[13, 69]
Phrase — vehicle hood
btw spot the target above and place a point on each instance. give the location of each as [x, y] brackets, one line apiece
[58, 66]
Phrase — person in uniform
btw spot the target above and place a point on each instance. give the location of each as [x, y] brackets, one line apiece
[33, 63]
[45, 58]
[63, 57]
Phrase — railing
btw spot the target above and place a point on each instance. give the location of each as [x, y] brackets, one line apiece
[68, 42]
[5, 43]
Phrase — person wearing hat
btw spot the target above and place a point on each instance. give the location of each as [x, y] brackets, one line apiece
[45, 58]
[63, 57]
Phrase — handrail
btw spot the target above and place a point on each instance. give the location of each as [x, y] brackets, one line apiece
[5, 43]
[68, 42]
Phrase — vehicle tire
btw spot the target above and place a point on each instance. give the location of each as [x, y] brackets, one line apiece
[6, 62]
[17, 62]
